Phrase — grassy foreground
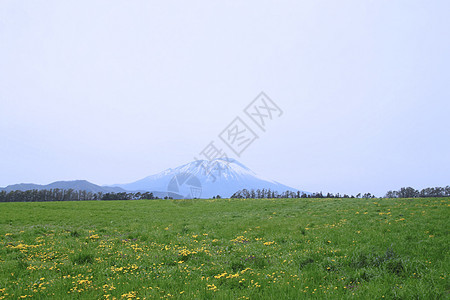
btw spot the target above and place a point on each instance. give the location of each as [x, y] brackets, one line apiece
[226, 249]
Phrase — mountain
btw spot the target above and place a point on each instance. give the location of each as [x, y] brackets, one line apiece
[79, 185]
[198, 179]
[205, 179]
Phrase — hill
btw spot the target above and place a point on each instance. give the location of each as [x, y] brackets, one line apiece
[79, 185]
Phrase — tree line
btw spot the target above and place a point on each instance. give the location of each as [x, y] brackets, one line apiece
[76, 195]
[69, 195]
[267, 193]
[409, 192]
[404, 192]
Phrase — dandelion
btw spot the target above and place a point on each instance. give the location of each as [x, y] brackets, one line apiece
[129, 295]
[221, 275]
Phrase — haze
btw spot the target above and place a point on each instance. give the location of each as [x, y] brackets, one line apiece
[113, 91]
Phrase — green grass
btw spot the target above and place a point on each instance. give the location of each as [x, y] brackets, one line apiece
[238, 249]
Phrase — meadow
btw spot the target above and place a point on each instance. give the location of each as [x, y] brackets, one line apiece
[226, 249]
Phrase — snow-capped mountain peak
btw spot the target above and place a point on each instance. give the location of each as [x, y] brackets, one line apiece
[205, 179]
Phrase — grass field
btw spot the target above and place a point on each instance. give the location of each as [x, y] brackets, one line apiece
[226, 249]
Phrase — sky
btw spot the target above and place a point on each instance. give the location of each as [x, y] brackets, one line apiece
[113, 91]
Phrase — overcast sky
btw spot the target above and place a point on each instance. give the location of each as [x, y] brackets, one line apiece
[113, 91]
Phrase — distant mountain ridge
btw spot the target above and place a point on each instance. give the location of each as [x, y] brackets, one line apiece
[197, 179]
[78, 185]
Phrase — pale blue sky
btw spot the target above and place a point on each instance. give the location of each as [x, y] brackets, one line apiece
[113, 91]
